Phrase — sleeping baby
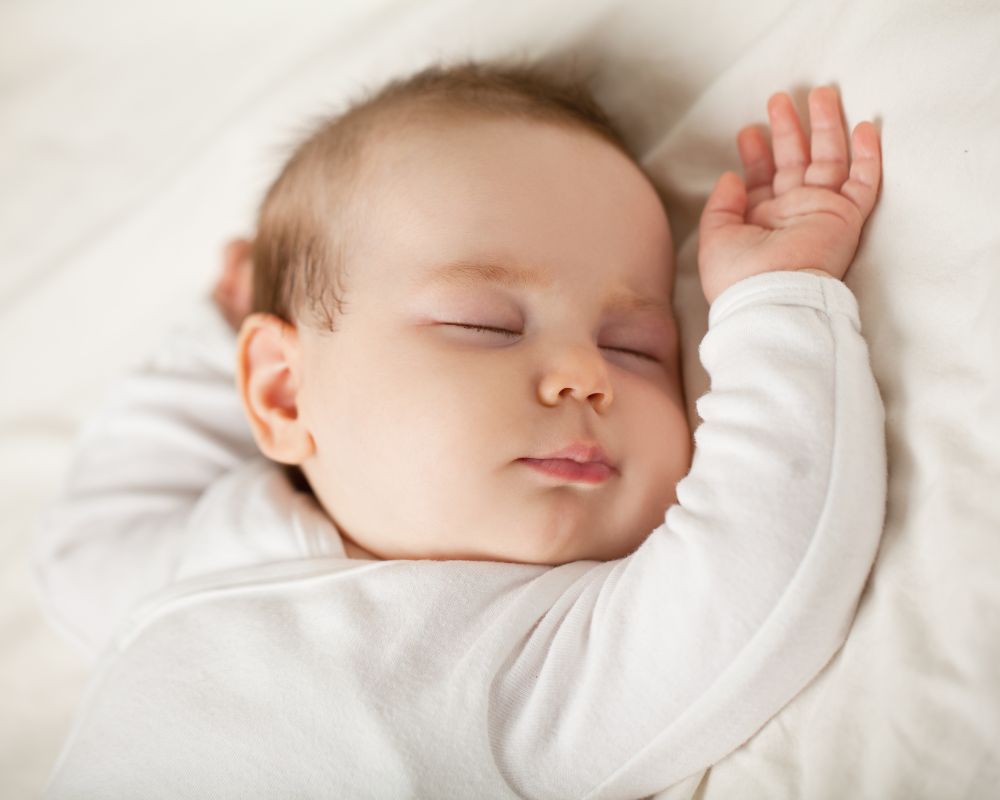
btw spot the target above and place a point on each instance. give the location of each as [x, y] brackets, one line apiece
[446, 531]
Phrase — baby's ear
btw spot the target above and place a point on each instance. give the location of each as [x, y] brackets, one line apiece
[268, 373]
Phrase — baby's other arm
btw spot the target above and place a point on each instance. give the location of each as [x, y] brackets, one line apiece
[168, 431]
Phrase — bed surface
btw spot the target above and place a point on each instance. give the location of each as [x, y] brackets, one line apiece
[135, 138]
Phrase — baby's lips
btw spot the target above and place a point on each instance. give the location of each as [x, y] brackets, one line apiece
[583, 453]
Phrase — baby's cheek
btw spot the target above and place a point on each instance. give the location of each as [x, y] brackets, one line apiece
[663, 437]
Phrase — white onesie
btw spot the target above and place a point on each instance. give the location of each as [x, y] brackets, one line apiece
[243, 655]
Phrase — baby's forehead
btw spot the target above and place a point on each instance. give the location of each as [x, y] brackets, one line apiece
[468, 144]
[510, 198]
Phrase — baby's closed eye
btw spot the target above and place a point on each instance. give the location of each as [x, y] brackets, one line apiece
[514, 334]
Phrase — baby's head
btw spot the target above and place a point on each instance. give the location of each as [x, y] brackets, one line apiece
[465, 271]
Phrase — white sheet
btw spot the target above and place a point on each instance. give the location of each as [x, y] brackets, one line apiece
[136, 137]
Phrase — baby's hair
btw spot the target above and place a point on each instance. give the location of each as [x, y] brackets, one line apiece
[305, 219]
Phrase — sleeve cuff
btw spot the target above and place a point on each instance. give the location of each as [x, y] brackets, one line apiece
[787, 288]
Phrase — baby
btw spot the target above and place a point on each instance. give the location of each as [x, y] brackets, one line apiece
[498, 566]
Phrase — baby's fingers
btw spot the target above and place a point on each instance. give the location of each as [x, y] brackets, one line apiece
[861, 187]
[828, 167]
[758, 164]
[791, 154]
[726, 205]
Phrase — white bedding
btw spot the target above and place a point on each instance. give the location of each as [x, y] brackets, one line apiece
[136, 137]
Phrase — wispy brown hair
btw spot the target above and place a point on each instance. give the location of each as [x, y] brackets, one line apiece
[304, 224]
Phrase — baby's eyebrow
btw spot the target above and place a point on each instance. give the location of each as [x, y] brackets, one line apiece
[469, 273]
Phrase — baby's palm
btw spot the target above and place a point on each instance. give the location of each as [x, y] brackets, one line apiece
[795, 211]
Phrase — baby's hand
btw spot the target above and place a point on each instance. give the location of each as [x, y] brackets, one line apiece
[807, 213]
[233, 291]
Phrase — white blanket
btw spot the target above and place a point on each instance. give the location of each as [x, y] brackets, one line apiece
[136, 137]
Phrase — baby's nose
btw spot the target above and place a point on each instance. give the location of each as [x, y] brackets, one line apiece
[579, 372]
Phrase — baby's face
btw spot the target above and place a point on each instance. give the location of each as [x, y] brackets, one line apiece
[421, 426]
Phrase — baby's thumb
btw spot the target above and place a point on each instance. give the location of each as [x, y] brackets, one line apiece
[727, 204]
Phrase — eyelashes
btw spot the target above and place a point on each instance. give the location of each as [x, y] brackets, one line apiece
[503, 331]
[514, 334]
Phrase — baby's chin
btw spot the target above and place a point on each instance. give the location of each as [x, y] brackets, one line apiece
[547, 534]
[526, 555]
[549, 556]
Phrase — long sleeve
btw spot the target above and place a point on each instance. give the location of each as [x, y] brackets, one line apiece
[134, 512]
[749, 587]
[485, 679]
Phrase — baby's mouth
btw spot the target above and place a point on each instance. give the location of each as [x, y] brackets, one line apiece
[566, 469]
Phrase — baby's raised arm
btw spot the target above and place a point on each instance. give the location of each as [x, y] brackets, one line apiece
[746, 591]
